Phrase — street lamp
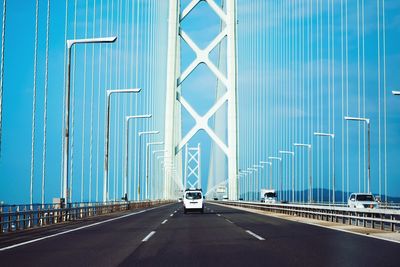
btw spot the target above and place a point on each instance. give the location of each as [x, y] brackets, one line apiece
[270, 171]
[367, 121]
[290, 153]
[140, 151]
[107, 137]
[256, 182]
[252, 184]
[333, 160]
[280, 160]
[242, 174]
[70, 44]
[160, 173]
[147, 164]
[246, 184]
[127, 119]
[309, 147]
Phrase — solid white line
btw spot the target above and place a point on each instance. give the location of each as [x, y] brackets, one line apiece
[76, 229]
[253, 234]
[164, 221]
[228, 220]
[148, 236]
[354, 233]
[322, 226]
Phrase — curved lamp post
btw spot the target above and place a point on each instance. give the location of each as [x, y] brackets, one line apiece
[70, 44]
[309, 147]
[333, 160]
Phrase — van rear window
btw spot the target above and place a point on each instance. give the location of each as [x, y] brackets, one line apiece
[193, 195]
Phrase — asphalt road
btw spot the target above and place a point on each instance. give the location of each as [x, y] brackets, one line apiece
[221, 236]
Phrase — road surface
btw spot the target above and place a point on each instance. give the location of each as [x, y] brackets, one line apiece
[164, 236]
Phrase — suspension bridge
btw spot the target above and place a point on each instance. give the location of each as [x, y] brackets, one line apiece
[110, 110]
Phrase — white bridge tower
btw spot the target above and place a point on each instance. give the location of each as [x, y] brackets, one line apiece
[174, 142]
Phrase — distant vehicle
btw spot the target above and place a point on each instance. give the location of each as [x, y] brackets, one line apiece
[193, 200]
[269, 196]
[215, 198]
[180, 199]
[362, 201]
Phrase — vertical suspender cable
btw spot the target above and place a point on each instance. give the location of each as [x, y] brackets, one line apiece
[363, 88]
[342, 95]
[132, 76]
[347, 104]
[379, 98]
[358, 95]
[46, 82]
[333, 95]
[65, 77]
[34, 102]
[98, 104]
[329, 98]
[311, 89]
[73, 110]
[84, 107]
[384, 96]
[110, 79]
[135, 138]
[91, 108]
[3, 34]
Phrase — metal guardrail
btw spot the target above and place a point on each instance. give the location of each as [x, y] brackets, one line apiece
[384, 219]
[20, 217]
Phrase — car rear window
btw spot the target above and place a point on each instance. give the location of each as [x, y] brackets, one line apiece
[365, 198]
[193, 195]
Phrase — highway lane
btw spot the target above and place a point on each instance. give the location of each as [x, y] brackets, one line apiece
[220, 236]
[105, 244]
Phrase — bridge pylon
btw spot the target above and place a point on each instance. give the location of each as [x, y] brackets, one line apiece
[174, 100]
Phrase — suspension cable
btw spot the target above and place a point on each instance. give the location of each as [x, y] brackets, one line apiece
[65, 77]
[91, 108]
[73, 110]
[3, 34]
[98, 103]
[46, 82]
[84, 106]
[34, 102]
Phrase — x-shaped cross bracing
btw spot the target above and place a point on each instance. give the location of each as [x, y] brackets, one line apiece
[202, 56]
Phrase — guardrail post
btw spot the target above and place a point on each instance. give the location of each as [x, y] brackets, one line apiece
[17, 219]
[1, 219]
[391, 223]
[9, 220]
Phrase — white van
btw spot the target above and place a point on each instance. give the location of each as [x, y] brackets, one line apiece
[193, 200]
[269, 196]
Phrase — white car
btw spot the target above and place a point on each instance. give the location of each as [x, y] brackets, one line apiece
[193, 200]
[270, 196]
[362, 200]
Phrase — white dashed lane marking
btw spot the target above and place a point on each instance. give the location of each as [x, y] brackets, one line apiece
[255, 235]
[148, 236]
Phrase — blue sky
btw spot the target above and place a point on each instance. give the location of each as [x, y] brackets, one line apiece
[256, 52]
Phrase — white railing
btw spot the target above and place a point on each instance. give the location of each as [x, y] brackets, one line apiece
[380, 218]
[19, 217]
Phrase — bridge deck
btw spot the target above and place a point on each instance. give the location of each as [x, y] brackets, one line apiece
[220, 236]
